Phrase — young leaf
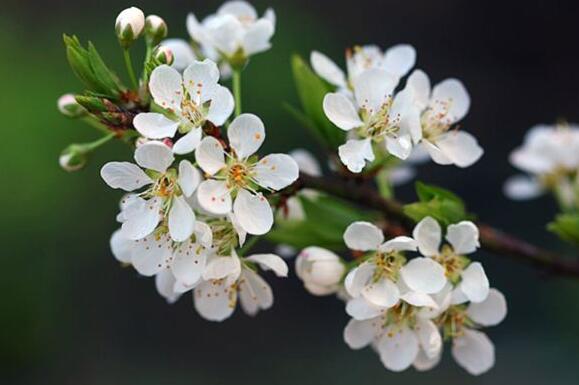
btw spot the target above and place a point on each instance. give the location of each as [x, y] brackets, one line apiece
[566, 226]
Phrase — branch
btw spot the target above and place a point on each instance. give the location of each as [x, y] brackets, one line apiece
[492, 240]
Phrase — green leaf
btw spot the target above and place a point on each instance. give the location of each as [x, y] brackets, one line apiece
[427, 192]
[566, 226]
[327, 219]
[311, 91]
[106, 77]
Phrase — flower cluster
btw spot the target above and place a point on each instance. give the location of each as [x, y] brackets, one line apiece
[380, 121]
[406, 307]
[550, 157]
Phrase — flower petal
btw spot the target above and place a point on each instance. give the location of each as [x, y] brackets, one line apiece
[306, 162]
[358, 277]
[166, 87]
[398, 348]
[373, 87]
[360, 309]
[423, 362]
[246, 134]
[363, 236]
[270, 262]
[327, 69]
[436, 153]
[429, 337]
[419, 299]
[253, 212]
[151, 254]
[474, 351]
[154, 156]
[474, 283]
[210, 155]
[189, 177]
[451, 99]
[400, 147]
[276, 171]
[423, 275]
[121, 246]
[463, 237]
[257, 36]
[215, 300]
[492, 311]
[355, 153]
[189, 261]
[383, 293]
[399, 59]
[522, 187]
[124, 175]
[428, 235]
[221, 105]
[214, 196]
[419, 84]
[254, 293]
[183, 54]
[341, 111]
[164, 283]
[460, 147]
[399, 243]
[155, 126]
[222, 267]
[359, 334]
[181, 219]
[143, 220]
[188, 142]
[200, 80]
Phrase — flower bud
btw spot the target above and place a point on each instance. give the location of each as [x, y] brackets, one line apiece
[129, 26]
[163, 55]
[155, 29]
[320, 269]
[68, 106]
[73, 158]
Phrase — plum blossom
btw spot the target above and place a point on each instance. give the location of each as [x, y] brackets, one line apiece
[550, 157]
[234, 32]
[321, 270]
[235, 176]
[164, 199]
[396, 60]
[189, 101]
[435, 114]
[374, 117]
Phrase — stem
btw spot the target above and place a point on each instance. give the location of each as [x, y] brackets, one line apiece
[99, 142]
[491, 239]
[237, 91]
[93, 122]
[129, 65]
[248, 245]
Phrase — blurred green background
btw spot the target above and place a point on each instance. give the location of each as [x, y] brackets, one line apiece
[70, 315]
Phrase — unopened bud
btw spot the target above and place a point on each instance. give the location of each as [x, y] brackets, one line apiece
[129, 26]
[73, 158]
[68, 106]
[163, 55]
[321, 270]
[155, 29]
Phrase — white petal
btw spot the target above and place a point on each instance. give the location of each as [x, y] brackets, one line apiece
[142, 221]
[398, 348]
[436, 154]
[474, 283]
[210, 155]
[238, 8]
[215, 300]
[428, 235]
[165, 282]
[256, 38]
[246, 134]
[419, 299]
[399, 243]
[492, 311]
[460, 147]
[400, 175]
[203, 234]
[423, 275]
[183, 54]
[121, 247]
[154, 156]
[358, 277]
[254, 293]
[522, 187]
[181, 219]
[355, 153]
[429, 337]
[188, 142]
[166, 87]
[423, 363]
[399, 59]
[241, 233]
[327, 69]
[463, 237]
[341, 111]
[373, 87]
[450, 97]
[363, 236]
[253, 212]
[151, 254]
[474, 352]
[221, 106]
[383, 293]
[155, 126]
[225, 33]
[124, 175]
[200, 79]
[189, 177]
[400, 147]
[276, 171]
[360, 309]
[359, 334]
[222, 267]
[457, 297]
[306, 162]
[419, 83]
[214, 196]
[270, 262]
[188, 263]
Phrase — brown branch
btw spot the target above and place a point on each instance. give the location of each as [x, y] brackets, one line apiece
[492, 240]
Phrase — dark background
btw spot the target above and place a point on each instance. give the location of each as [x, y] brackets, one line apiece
[70, 315]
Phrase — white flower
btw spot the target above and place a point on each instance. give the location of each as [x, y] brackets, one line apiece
[384, 277]
[320, 269]
[463, 239]
[164, 198]
[436, 112]
[550, 154]
[190, 100]
[235, 32]
[183, 54]
[234, 177]
[375, 116]
[129, 25]
[397, 61]
[230, 277]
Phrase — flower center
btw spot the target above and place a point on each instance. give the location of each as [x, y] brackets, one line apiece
[453, 264]
[388, 264]
[380, 123]
[238, 175]
[224, 235]
[435, 123]
[193, 112]
[453, 321]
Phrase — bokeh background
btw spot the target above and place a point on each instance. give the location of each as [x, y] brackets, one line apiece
[69, 314]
